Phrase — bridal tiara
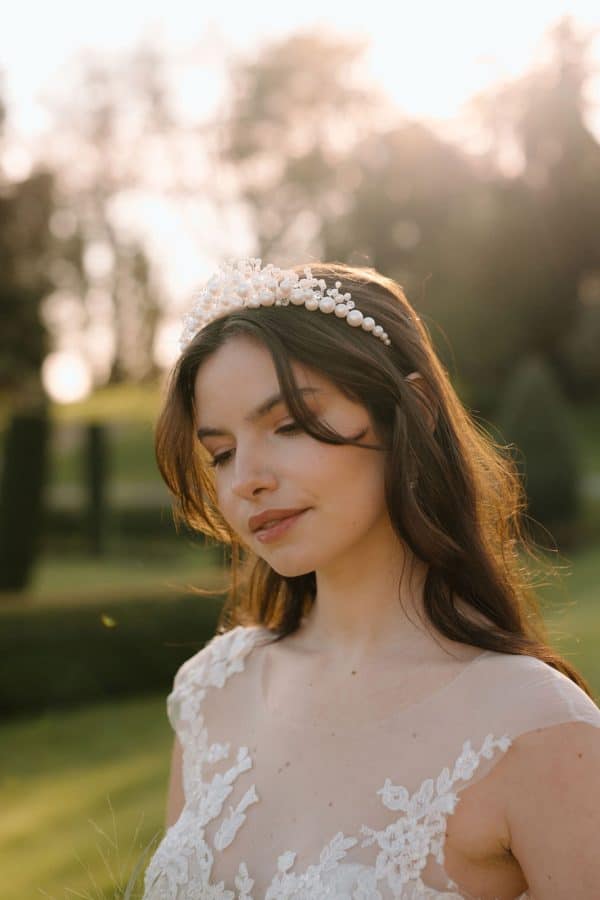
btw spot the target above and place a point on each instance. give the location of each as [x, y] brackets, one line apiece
[243, 282]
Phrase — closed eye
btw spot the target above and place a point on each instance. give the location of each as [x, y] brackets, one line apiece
[222, 458]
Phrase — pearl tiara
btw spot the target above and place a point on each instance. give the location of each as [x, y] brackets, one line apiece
[240, 283]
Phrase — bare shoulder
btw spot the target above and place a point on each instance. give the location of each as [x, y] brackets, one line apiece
[552, 808]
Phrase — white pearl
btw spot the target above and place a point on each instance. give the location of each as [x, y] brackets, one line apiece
[327, 304]
[368, 324]
[297, 297]
[267, 298]
[341, 310]
[354, 318]
[312, 303]
[378, 331]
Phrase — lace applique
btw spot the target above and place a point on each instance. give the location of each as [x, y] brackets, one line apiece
[406, 843]
[244, 883]
[182, 865]
[182, 850]
[230, 826]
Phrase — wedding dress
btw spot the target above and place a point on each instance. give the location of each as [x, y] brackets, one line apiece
[279, 808]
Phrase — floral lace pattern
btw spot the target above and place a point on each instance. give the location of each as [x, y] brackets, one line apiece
[181, 867]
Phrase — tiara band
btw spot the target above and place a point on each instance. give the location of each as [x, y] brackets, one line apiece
[242, 283]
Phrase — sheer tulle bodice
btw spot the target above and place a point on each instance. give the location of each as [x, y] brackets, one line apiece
[334, 809]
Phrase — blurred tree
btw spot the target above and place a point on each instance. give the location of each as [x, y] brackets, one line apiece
[411, 215]
[324, 167]
[580, 349]
[326, 170]
[544, 244]
[297, 110]
[108, 121]
[535, 417]
[25, 249]
[22, 480]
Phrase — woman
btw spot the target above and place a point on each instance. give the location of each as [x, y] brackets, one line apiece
[379, 714]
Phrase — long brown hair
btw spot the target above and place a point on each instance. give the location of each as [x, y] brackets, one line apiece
[463, 514]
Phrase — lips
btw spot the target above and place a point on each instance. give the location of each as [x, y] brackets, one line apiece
[271, 516]
[279, 528]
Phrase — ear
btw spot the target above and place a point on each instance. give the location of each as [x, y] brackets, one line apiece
[425, 396]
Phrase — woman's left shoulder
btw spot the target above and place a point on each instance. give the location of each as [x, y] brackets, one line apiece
[531, 694]
[552, 806]
[551, 786]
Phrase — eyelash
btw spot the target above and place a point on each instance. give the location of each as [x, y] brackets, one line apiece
[224, 457]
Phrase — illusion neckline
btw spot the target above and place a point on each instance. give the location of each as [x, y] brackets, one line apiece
[395, 716]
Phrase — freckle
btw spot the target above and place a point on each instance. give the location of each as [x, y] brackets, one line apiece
[354, 671]
[287, 763]
[330, 803]
[580, 755]
[413, 734]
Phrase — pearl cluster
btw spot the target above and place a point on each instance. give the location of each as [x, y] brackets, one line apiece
[240, 283]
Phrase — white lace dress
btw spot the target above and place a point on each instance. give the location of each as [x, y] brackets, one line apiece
[278, 810]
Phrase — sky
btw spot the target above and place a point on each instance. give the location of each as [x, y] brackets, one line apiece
[430, 57]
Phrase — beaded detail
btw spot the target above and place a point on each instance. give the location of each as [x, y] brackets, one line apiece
[240, 283]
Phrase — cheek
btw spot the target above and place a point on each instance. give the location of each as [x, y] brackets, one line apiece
[349, 481]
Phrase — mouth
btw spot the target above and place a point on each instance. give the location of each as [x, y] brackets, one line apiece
[277, 529]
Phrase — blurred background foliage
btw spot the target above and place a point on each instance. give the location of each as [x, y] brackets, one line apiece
[497, 250]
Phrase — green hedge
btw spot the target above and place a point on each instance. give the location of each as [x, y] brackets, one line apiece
[153, 521]
[62, 656]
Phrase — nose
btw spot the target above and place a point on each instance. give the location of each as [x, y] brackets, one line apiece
[252, 474]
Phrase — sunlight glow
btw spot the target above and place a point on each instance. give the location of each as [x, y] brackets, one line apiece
[66, 377]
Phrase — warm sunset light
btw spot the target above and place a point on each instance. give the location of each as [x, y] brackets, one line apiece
[66, 377]
[428, 59]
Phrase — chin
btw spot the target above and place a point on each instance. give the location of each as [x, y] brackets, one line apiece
[289, 568]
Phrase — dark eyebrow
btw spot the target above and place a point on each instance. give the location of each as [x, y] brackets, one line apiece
[257, 413]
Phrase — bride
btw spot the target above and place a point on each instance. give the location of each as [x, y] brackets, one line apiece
[380, 714]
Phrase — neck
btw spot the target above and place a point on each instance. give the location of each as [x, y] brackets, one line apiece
[369, 604]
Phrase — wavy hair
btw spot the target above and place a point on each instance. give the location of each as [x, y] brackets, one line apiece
[463, 515]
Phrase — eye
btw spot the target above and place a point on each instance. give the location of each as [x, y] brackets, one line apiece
[222, 458]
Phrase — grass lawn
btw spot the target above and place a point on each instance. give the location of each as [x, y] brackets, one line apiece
[83, 793]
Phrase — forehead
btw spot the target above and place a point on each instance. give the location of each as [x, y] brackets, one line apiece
[239, 376]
